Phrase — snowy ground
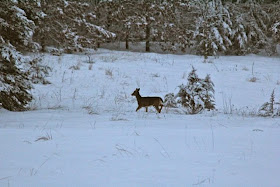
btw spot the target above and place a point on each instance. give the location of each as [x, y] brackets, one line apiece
[84, 130]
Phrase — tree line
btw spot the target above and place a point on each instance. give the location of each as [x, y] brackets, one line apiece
[207, 27]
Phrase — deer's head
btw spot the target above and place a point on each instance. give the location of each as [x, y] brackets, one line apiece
[136, 92]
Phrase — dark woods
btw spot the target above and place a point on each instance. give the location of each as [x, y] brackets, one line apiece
[202, 27]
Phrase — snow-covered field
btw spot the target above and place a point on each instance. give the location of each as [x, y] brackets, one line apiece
[84, 130]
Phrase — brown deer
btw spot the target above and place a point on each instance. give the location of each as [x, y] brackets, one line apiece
[157, 102]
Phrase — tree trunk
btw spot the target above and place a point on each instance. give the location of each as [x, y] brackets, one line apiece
[148, 38]
[126, 43]
[43, 44]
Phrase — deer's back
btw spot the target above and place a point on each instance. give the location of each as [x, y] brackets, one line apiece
[148, 101]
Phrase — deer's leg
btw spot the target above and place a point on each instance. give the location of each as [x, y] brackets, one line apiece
[161, 106]
[138, 108]
[156, 107]
[146, 109]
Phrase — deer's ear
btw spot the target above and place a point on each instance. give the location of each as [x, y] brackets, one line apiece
[138, 89]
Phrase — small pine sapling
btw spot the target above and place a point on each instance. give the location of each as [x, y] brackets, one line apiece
[278, 109]
[269, 108]
[209, 100]
[189, 99]
[197, 94]
[189, 94]
[38, 72]
[170, 101]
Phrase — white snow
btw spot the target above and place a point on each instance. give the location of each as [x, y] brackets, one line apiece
[84, 130]
[275, 27]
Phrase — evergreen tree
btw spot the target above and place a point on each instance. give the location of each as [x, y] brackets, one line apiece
[213, 28]
[256, 26]
[145, 21]
[120, 18]
[37, 72]
[208, 96]
[239, 35]
[14, 82]
[268, 108]
[33, 11]
[189, 94]
[186, 13]
[276, 31]
[170, 100]
[16, 32]
[15, 26]
[275, 20]
[152, 16]
[70, 25]
[197, 94]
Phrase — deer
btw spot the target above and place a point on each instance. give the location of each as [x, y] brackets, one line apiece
[156, 102]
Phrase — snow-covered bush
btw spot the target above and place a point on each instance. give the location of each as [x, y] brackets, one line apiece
[170, 100]
[197, 94]
[271, 108]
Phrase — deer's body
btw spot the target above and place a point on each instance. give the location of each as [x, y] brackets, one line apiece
[156, 102]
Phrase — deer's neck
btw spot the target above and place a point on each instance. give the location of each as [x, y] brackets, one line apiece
[138, 97]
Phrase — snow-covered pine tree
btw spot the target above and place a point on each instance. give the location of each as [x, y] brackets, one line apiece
[256, 22]
[70, 25]
[197, 94]
[152, 15]
[15, 26]
[133, 27]
[208, 96]
[185, 14]
[239, 35]
[34, 13]
[176, 29]
[37, 72]
[14, 82]
[16, 32]
[146, 21]
[213, 28]
[275, 28]
[267, 109]
[276, 32]
[120, 17]
[190, 94]
[166, 30]
[170, 100]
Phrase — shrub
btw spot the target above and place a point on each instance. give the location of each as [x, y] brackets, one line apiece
[170, 100]
[197, 94]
